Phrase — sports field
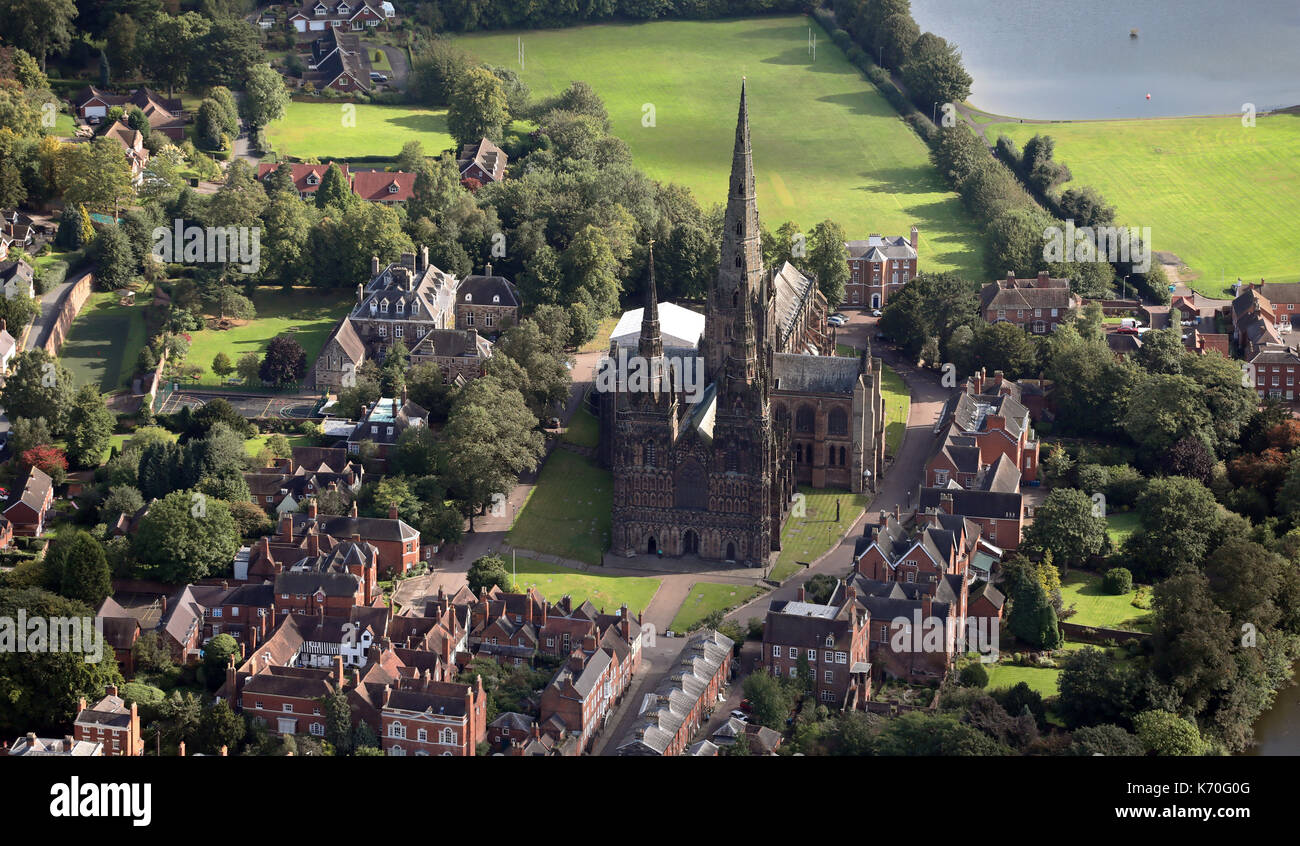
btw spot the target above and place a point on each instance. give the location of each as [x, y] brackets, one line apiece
[103, 342]
[307, 314]
[328, 130]
[1222, 196]
[826, 144]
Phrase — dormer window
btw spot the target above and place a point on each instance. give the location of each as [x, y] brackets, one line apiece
[312, 179]
[383, 306]
[830, 641]
[320, 9]
[401, 306]
[496, 298]
[373, 307]
[392, 189]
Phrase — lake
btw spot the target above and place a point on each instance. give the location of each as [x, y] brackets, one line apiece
[1065, 60]
[1277, 731]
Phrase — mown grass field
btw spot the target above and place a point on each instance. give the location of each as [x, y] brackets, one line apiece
[308, 315]
[1204, 186]
[553, 581]
[826, 143]
[567, 513]
[809, 537]
[325, 130]
[583, 429]
[104, 341]
[1095, 607]
[707, 597]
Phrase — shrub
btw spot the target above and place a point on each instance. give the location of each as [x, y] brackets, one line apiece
[1117, 581]
[973, 675]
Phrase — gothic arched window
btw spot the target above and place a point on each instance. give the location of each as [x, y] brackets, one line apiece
[803, 419]
[837, 423]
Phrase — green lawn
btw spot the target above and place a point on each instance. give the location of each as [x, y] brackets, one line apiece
[308, 315]
[600, 343]
[897, 402]
[379, 60]
[584, 429]
[826, 143]
[567, 513]
[605, 592]
[1121, 524]
[328, 130]
[254, 445]
[808, 538]
[1203, 185]
[1095, 607]
[1042, 679]
[104, 341]
[707, 597]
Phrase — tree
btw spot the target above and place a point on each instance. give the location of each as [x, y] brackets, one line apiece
[338, 720]
[38, 386]
[1066, 525]
[185, 537]
[486, 572]
[90, 427]
[973, 675]
[209, 125]
[220, 727]
[1162, 351]
[1032, 617]
[1164, 409]
[98, 177]
[1086, 207]
[1006, 347]
[217, 653]
[478, 108]
[489, 440]
[39, 690]
[934, 73]
[1189, 457]
[40, 27]
[1095, 690]
[170, 45]
[919, 733]
[227, 53]
[1178, 517]
[222, 365]
[828, 260]
[770, 701]
[115, 263]
[1108, 740]
[1117, 581]
[931, 305]
[285, 362]
[75, 562]
[50, 460]
[1164, 733]
[121, 499]
[335, 191]
[249, 368]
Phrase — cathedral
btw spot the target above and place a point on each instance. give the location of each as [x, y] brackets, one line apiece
[713, 472]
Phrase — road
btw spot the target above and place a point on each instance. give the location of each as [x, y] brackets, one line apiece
[51, 301]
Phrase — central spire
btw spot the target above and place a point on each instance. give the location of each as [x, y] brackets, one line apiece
[651, 343]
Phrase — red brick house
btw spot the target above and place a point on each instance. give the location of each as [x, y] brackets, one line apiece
[112, 722]
[484, 162]
[27, 512]
[165, 114]
[397, 545]
[388, 188]
[581, 695]
[939, 547]
[670, 716]
[426, 717]
[1036, 305]
[121, 631]
[914, 634]
[829, 641]
[878, 268]
[999, 514]
[351, 15]
[306, 177]
[1275, 369]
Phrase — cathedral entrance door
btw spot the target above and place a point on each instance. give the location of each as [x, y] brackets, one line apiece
[690, 543]
[731, 551]
[651, 546]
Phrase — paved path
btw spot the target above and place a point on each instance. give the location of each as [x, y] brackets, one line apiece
[51, 303]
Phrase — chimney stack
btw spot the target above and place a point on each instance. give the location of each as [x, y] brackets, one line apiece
[181, 750]
[223, 750]
[111, 689]
[353, 513]
[361, 293]
[286, 528]
[313, 542]
[799, 594]
[392, 511]
[487, 269]
[423, 264]
[1043, 277]
[374, 266]
[926, 603]
[916, 240]
[338, 670]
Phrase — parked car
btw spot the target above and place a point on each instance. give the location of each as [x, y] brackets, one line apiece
[875, 312]
[740, 715]
[841, 315]
[746, 706]
[376, 76]
[837, 321]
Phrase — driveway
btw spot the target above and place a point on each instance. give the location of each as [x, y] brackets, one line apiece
[51, 302]
[397, 58]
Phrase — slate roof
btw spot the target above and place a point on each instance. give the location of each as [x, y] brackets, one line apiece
[815, 374]
[879, 248]
[345, 526]
[793, 290]
[988, 504]
[487, 155]
[481, 290]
